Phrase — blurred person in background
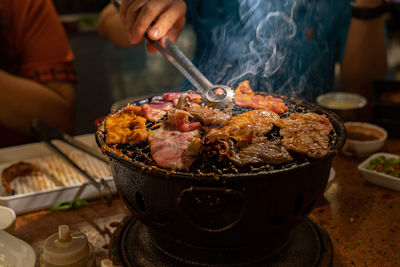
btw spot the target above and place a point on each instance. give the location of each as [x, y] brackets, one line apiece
[37, 76]
[282, 46]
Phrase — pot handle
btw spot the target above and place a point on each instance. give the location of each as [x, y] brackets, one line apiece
[212, 209]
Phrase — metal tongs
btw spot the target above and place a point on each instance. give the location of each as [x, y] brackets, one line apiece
[212, 95]
[47, 133]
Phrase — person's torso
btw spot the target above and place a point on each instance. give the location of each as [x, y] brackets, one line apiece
[282, 46]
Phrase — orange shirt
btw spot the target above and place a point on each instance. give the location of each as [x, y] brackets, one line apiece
[33, 45]
[36, 45]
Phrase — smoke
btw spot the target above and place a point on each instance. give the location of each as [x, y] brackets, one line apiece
[259, 43]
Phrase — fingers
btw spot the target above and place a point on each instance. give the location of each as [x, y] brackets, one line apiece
[132, 5]
[176, 29]
[156, 17]
[171, 20]
[147, 15]
[172, 34]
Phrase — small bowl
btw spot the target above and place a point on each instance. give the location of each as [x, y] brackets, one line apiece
[346, 105]
[379, 178]
[7, 219]
[363, 139]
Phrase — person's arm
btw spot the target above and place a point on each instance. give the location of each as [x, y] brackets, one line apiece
[110, 27]
[157, 18]
[23, 100]
[364, 58]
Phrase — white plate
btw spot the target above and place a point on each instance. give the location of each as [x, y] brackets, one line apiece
[379, 178]
[15, 252]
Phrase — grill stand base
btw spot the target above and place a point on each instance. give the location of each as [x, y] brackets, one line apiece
[133, 246]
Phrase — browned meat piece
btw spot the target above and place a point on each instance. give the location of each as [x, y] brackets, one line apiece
[125, 127]
[180, 119]
[262, 151]
[306, 133]
[208, 116]
[242, 129]
[17, 170]
[174, 149]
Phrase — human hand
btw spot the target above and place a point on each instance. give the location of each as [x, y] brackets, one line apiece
[156, 18]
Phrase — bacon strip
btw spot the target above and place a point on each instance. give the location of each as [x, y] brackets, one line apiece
[174, 149]
[180, 119]
[156, 109]
[174, 97]
[246, 97]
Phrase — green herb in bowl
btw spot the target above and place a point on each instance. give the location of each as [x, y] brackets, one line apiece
[385, 165]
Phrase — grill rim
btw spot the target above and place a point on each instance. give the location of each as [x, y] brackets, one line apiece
[335, 120]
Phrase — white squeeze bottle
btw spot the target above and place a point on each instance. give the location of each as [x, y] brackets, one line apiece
[67, 248]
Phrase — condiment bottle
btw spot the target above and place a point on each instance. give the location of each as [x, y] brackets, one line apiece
[107, 263]
[67, 248]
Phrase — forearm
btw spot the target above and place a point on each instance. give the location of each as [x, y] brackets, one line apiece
[110, 27]
[364, 59]
[23, 100]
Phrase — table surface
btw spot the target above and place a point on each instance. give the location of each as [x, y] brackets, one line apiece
[362, 219]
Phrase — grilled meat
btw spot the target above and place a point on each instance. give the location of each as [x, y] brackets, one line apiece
[174, 149]
[180, 119]
[193, 130]
[156, 110]
[246, 97]
[261, 151]
[306, 133]
[174, 97]
[17, 170]
[208, 116]
[242, 129]
[125, 127]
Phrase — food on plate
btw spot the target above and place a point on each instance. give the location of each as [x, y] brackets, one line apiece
[390, 166]
[362, 133]
[17, 170]
[259, 130]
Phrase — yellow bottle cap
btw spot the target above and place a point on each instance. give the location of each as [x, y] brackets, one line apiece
[107, 263]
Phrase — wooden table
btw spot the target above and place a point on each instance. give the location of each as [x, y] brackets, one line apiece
[363, 220]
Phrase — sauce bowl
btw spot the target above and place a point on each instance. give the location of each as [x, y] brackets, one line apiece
[363, 139]
[346, 105]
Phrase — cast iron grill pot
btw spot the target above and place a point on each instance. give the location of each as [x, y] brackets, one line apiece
[224, 210]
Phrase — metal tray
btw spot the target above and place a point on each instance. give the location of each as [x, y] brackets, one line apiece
[37, 191]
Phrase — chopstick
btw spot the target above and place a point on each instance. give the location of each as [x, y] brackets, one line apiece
[46, 134]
